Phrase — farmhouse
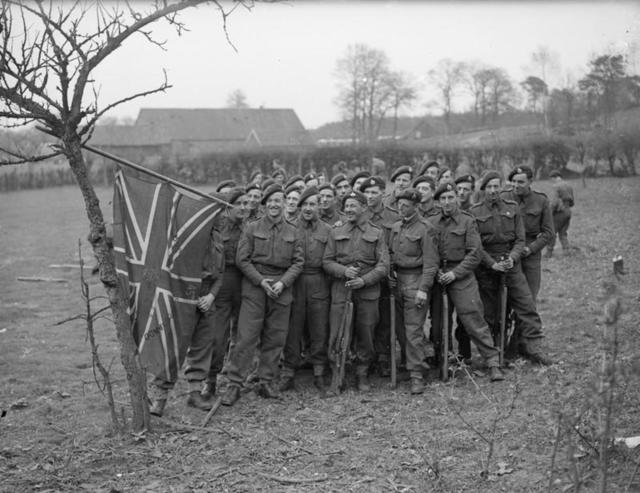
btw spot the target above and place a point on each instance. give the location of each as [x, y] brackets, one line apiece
[176, 134]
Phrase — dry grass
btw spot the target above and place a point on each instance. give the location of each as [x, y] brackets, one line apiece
[55, 435]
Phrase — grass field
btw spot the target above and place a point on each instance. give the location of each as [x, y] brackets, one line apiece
[56, 436]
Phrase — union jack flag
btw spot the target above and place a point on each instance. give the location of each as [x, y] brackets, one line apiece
[159, 236]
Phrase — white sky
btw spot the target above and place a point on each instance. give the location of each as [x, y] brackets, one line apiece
[287, 52]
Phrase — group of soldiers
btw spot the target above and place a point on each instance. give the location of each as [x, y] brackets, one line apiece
[307, 271]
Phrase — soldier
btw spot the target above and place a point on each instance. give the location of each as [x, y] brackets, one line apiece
[444, 175]
[256, 177]
[291, 198]
[226, 186]
[328, 208]
[358, 179]
[426, 186]
[279, 175]
[310, 307]
[295, 181]
[401, 179]
[227, 303]
[431, 169]
[270, 256]
[342, 186]
[414, 259]
[459, 250]
[383, 217]
[357, 259]
[311, 180]
[503, 239]
[254, 196]
[199, 353]
[561, 205]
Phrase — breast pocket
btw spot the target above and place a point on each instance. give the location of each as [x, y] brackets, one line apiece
[284, 249]
[508, 224]
[342, 247]
[411, 245]
[456, 245]
[532, 221]
[261, 244]
[318, 245]
[368, 249]
[485, 225]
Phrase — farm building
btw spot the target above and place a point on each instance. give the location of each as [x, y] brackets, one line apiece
[174, 134]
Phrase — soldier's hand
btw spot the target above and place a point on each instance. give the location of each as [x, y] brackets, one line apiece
[266, 285]
[356, 283]
[498, 266]
[351, 272]
[393, 282]
[205, 302]
[278, 288]
[507, 264]
[421, 298]
[526, 252]
[447, 278]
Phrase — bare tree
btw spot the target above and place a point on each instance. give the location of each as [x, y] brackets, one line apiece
[403, 93]
[447, 77]
[237, 99]
[500, 92]
[476, 77]
[48, 55]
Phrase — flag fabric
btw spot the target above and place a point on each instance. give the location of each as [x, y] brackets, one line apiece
[160, 235]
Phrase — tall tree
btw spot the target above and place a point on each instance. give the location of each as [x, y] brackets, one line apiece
[536, 90]
[403, 93]
[447, 76]
[237, 99]
[48, 54]
[500, 92]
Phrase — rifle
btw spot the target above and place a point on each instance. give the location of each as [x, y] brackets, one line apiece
[341, 345]
[444, 343]
[503, 315]
[392, 313]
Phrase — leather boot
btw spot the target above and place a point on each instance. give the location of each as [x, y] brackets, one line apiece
[157, 407]
[417, 386]
[230, 396]
[318, 383]
[196, 400]
[286, 383]
[495, 374]
[208, 391]
[267, 391]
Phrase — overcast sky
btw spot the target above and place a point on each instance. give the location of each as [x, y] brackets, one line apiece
[286, 53]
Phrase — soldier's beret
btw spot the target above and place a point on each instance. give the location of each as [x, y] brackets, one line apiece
[520, 170]
[292, 188]
[410, 194]
[445, 187]
[424, 167]
[354, 194]
[424, 178]
[267, 183]
[253, 186]
[442, 171]
[268, 192]
[400, 171]
[339, 178]
[310, 176]
[359, 174]
[327, 186]
[253, 175]
[373, 181]
[225, 184]
[466, 179]
[489, 175]
[555, 173]
[308, 192]
[279, 171]
[294, 179]
[234, 194]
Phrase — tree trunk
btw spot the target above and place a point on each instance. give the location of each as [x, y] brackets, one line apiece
[136, 377]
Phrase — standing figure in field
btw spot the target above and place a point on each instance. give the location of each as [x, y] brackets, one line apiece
[271, 258]
[503, 240]
[311, 300]
[414, 264]
[561, 205]
[357, 259]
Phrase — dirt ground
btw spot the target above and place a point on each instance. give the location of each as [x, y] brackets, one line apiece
[56, 435]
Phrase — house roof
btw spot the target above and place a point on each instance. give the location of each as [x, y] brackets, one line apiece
[244, 126]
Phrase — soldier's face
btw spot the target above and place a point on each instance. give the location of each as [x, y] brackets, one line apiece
[374, 196]
[292, 202]
[407, 208]
[343, 188]
[253, 198]
[425, 190]
[432, 172]
[464, 192]
[448, 202]
[521, 184]
[492, 189]
[257, 178]
[402, 181]
[358, 182]
[279, 179]
[274, 204]
[327, 199]
[309, 208]
[353, 210]
[446, 176]
[240, 208]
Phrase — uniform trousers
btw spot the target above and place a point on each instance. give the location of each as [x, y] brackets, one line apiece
[411, 318]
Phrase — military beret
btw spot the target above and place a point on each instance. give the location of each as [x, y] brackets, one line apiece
[373, 181]
[442, 171]
[466, 179]
[359, 174]
[555, 173]
[400, 171]
[327, 186]
[279, 171]
[310, 176]
[410, 194]
[308, 192]
[268, 192]
[520, 170]
[340, 177]
[253, 175]
[292, 188]
[445, 187]
[225, 184]
[267, 183]
[354, 194]
[490, 175]
[294, 179]
[422, 178]
[253, 186]
[235, 194]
